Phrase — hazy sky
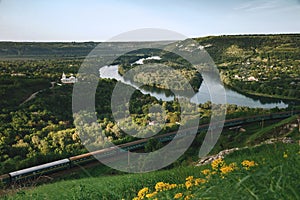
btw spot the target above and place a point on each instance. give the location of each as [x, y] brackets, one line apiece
[99, 20]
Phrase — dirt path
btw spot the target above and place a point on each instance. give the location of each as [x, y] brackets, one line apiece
[33, 95]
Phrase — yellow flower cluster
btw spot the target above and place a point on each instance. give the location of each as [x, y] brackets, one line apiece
[216, 164]
[188, 184]
[285, 155]
[178, 195]
[188, 197]
[150, 195]
[205, 172]
[190, 178]
[199, 181]
[161, 186]
[219, 165]
[190, 181]
[142, 193]
[225, 169]
[248, 164]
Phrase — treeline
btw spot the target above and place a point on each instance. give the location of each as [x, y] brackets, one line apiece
[45, 49]
[50, 69]
[159, 77]
[267, 65]
[43, 130]
[14, 90]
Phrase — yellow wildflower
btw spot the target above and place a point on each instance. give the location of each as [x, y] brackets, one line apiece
[150, 195]
[247, 164]
[188, 184]
[142, 193]
[285, 155]
[188, 197]
[226, 169]
[160, 186]
[190, 178]
[216, 164]
[205, 171]
[199, 181]
[178, 195]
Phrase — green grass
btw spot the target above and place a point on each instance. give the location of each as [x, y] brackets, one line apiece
[275, 177]
[270, 130]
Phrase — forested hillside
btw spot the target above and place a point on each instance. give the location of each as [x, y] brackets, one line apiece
[43, 129]
[266, 65]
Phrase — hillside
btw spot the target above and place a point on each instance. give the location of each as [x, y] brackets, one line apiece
[266, 65]
[43, 129]
[264, 172]
[33, 50]
[259, 169]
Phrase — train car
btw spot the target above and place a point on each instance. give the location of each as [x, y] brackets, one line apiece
[234, 122]
[281, 115]
[5, 179]
[89, 157]
[107, 152]
[39, 170]
[133, 145]
[80, 159]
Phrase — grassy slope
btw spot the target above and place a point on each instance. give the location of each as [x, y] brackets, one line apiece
[274, 177]
[264, 133]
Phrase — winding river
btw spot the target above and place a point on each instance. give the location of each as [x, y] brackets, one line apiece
[201, 96]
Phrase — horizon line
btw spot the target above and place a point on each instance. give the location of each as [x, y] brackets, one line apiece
[102, 41]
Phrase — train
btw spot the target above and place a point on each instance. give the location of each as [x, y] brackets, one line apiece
[67, 163]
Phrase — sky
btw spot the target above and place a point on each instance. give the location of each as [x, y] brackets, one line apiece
[99, 20]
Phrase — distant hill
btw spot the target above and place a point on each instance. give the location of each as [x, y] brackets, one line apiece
[40, 49]
[264, 65]
[282, 45]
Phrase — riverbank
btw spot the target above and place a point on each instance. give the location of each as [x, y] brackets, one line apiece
[202, 96]
[255, 94]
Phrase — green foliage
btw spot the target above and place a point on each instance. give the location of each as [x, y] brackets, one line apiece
[45, 50]
[272, 59]
[181, 69]
[274, 177]
[42, 129]
[270, 130]
[14, 90]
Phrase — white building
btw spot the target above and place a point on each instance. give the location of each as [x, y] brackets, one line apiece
[70, 80]
[252, 78]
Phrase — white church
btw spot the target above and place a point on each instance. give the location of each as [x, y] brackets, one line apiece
[68, 80]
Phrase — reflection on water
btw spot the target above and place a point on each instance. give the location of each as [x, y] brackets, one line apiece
[201, 96]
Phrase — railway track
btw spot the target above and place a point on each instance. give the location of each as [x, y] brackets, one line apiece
[112, 153]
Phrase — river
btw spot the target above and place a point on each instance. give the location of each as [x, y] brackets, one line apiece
[201, 96]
